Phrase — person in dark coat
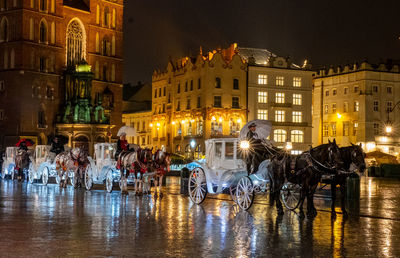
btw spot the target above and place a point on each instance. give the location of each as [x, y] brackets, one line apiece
[56, 146]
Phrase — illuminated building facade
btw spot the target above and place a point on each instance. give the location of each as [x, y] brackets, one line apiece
[198, 98]
[357, 104]
[281, 92]
[41, 90]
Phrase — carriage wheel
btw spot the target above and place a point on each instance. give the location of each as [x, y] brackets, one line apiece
[31, 173]
[58, 179]
[245, 193]
[88, 178]
[109, 182]
[45, 175]
[232, 191]
[290, 195]
[12, 172]
[197, 186]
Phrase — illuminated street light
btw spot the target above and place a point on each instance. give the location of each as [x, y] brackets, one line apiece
[289, 146]
[388, 129]
[338, 115]
[151, 124]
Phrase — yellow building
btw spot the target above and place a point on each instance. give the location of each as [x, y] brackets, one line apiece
[198, 98]
[141, 121]
[281, 92]
[358, 105]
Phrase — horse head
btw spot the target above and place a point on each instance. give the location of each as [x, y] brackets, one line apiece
[358, 157]
[334, 156]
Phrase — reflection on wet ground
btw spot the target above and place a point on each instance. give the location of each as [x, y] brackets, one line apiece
[38, 220]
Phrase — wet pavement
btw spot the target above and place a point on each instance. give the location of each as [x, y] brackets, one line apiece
[46, 221]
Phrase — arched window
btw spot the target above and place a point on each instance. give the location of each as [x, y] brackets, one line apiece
[113, 72]
[113, 18]
[6, 58]
[113, 46]
[297, 136]
[106, 46]
[97, 43]
[4, 30]
[43, 32]
[43, 5]
[53, 33]
[97, 14]
[106, 21]
[76, 43]
[280, 135]
[31, 29]
[12, 59]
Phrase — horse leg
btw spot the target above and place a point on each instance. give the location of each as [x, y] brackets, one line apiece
[302, 198]
[333, 195]
[343, 197]
[155, 185]
[311, 211]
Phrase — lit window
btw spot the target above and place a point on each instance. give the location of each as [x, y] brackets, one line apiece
[262, 114]
[333, 127]
[280, 80]
[295, 152]
[262, 79]
[356, 106]
[262, 97]
[280, 116]
[326, 109]
[297, 136]
[334, 108]
[296, 81]
[297, 117]
[346, 129]
[346, 107]
[376, 128]
[280, 97]
[297, 99]
[326, 130]
[389, 106]
[355, 128]
[279, 135]
[376, 105]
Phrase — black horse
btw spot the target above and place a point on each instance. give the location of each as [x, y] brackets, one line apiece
[353, 161]
[304, 170]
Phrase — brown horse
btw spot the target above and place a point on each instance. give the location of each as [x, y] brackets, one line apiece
[74, 161]
[161, 163]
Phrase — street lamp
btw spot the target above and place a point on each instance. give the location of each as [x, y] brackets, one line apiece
[389, 127]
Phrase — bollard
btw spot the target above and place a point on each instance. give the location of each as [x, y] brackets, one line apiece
[185, 181]
[353, 187]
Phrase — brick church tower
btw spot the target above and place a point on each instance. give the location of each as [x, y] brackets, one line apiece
[60, 70]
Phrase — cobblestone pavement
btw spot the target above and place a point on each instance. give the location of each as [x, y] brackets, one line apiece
[40, 221]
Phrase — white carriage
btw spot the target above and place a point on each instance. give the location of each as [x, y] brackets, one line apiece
[8, 168]
[224, 170]
[38, 164]
[102, 169]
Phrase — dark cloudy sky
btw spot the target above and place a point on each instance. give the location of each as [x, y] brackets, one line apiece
[323, 31]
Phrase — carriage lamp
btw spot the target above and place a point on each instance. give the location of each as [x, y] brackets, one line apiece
[193, 143]
[244, 145]
[220, 119]
[289, 146]
[213, 118]
[388, 129]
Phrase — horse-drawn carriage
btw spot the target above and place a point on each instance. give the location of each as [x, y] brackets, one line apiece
[37, 166]
[8, 168]
[224, 169]
[102, 169]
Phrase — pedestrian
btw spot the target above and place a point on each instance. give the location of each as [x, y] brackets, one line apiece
[255, 144]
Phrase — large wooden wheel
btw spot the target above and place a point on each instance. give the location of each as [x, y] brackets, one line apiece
[244, 193]
[45, 175]
[197, 185]
[290, 195]
[88, 177]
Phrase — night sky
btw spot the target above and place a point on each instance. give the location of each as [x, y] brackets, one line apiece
[325, 32]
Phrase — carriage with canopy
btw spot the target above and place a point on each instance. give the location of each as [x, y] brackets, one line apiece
[224, 170]
[102, 168]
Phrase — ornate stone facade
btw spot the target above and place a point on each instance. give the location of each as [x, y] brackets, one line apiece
[40, 44]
